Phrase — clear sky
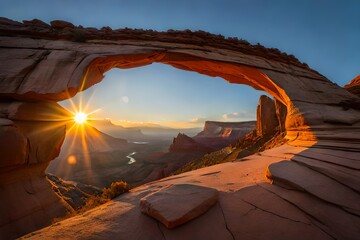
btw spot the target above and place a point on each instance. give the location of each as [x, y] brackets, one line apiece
[323, 33]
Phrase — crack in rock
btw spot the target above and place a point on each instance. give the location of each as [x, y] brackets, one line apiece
[250, 210]
[226, 226]
[278, 215]
[310, 217]
[159, 227]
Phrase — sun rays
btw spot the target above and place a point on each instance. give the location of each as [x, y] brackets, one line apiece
[81, 140]
[80, 117]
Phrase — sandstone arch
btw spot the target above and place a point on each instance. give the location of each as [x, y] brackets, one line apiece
[41, 66]
[57, 70]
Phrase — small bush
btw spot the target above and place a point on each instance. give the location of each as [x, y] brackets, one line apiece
[92, 202]
[79, 35]
[116, 189]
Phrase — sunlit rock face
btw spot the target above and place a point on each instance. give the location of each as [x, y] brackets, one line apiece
[217, 135]
[46, 67]
[354, 86]
[42, 64]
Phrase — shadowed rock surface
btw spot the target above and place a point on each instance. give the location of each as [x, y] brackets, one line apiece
[316, 197]
[184, 143]
[267, 120]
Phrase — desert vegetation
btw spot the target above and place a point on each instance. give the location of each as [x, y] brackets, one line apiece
[91, 201]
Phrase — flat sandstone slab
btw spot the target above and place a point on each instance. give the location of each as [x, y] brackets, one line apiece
[178, 204]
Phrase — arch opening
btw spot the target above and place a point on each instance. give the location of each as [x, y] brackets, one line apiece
[62, 171]
[231, 72]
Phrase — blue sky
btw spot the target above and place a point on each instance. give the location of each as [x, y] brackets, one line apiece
[324, 33]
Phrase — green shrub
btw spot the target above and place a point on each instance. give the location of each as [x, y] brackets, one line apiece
[116, 189]
[79, 35]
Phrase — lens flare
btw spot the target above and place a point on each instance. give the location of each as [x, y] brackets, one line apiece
[71, 160]
[80, 117]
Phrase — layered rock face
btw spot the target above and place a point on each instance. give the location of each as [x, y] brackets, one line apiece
[270, 116]
[30, 136]
[217, 135]
[75, 194]
[38, 64]
[354, 86]
[42, 64]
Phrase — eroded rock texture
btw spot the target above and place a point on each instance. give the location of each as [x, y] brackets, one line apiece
[42, 64]
[217, 135]
[354, 86]
[30, 136]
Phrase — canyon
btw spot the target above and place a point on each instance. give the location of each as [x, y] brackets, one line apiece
[306, 188]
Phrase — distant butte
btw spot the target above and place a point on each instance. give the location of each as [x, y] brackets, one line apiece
[311, 187]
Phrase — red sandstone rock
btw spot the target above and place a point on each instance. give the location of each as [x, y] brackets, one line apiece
[6, 21]
[28, 142]
[266, 119]
[354, 86]
[293, 175]
[281, 113]
[14, 147]
[61, 24]
[217, 135]
[184, 143]
[178, 204]
[286, 82]
[38, 67]
[27, 201]
[248, 207]
[45, 111]
[36, 22]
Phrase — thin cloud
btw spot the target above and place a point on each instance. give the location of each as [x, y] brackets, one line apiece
[198, 120]
[236, 115]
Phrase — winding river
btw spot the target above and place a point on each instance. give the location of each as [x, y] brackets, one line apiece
[131, 159]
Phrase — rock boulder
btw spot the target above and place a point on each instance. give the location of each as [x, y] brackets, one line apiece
[178, 204]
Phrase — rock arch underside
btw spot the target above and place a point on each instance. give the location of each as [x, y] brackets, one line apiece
[307, 188]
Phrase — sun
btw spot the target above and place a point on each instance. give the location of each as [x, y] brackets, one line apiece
[80, 117]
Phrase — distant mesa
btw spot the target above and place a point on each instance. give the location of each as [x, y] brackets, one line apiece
[184, 143]
[95, 140]
[217, 135]
[84, 141]
[130, 134]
